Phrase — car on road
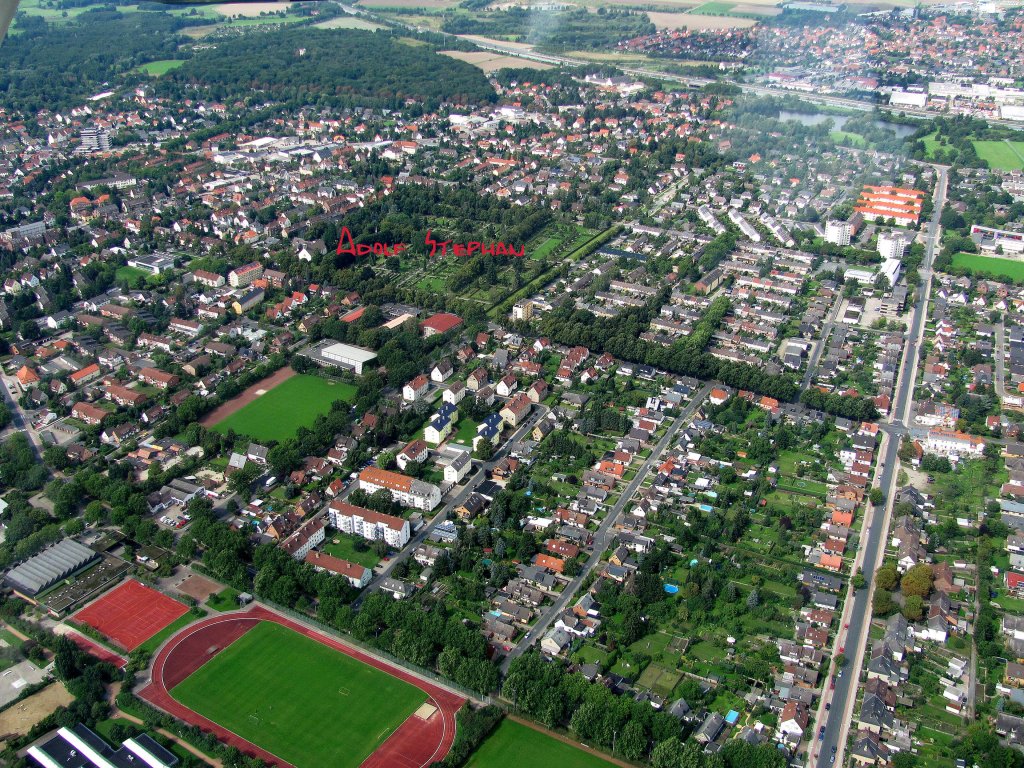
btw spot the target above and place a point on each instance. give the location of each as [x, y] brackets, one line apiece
[832, 683]
[821, 733]
[828, 705]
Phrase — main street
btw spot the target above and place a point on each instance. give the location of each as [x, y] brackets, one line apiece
[604, 533]
[857, 611]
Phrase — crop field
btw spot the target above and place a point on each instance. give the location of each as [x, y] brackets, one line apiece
[489, 61]
[278, 412]
[272, 683]
[530, 748]
[699, 21]
[349, 22]
[990, 265]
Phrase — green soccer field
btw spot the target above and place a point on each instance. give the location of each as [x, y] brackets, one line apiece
[1004, 155]
[294, 403]
[272, 685]
[530, 748]
[990, 265]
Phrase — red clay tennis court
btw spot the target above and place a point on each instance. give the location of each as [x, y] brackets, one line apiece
[131, 614]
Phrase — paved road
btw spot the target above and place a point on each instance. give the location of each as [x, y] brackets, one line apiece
[19, 422]
[819, 348]
[1001, 359]
[872, 541]
[454, 502]
[604, 533]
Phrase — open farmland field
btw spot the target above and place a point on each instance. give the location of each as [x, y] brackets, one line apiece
[275, 414]
[310, 683]
[349, 22]
[696, 21]
[489, 61]
[531, 748]
[250, 9]
[409, 4]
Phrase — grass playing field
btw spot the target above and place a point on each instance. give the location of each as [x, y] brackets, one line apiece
[157, 68]
[1004, 155]
[273, 684]
[532, 748]
[294, 403]
[990, 265]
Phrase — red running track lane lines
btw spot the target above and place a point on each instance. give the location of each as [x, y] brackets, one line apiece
[414, 744]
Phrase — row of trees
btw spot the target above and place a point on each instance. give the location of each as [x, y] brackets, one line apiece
[620, 336]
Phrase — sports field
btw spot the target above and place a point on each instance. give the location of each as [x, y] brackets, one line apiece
[131, 613]
[162, 67]
[277, 413]
[517, 744]
[1003, 155]
[272, 685]
[990, 265]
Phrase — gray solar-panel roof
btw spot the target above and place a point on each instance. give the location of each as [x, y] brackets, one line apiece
[50, 566]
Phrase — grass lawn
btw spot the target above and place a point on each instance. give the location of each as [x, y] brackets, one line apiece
[225, 600]
[789, 461]
[466, 431]
[154, 642]
[525, 746]
[591, 655]
[309, 683]
[804, 486]
[294, 403]
[162, 67]
[853, 139]
[990, 265]
[546, 247]
[1003, 155]
[707, 651]
[346, 550]
[131, 274]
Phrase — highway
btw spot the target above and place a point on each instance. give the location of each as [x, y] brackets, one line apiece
[604, 534]
[857, 610]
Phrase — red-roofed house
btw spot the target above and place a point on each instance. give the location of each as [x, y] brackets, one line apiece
[442, 322]
[83, 375]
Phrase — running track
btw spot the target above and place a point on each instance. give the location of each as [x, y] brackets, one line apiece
[414, 744]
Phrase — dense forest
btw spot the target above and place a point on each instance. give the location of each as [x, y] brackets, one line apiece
[570, 30]
[51, 67]
[335, 68]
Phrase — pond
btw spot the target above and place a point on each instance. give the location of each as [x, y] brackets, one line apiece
[838, 121]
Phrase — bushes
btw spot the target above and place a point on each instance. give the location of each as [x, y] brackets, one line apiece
[472, 727]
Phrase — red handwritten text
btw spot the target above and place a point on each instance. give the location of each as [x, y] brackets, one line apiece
[472, 247]
[347, 245]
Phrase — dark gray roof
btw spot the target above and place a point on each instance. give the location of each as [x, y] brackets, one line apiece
[50, 566]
